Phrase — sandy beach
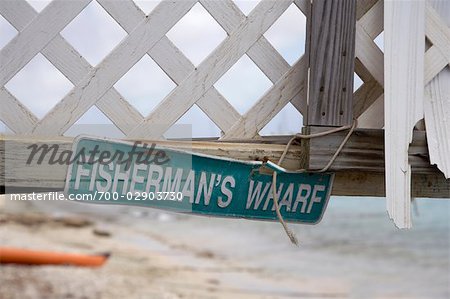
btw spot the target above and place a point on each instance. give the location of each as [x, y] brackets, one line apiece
[144, 263]
[159, 255]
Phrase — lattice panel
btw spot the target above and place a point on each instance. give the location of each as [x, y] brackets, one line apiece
[40, 33]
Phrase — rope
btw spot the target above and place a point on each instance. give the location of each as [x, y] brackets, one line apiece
[289, 232]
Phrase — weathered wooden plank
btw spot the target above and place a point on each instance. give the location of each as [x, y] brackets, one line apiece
[101, 78]
[437, 56]
[364, 151]
[16, 173]
[404, 32]
[364, 6]
[369, 54]
[303, 5]
[435, 61]
[372, 20]
[19, 177]
[362, 183]
[174, 63]
[368, 100]
[229, 16]
[291, 84]
[437, 102]
[178, 67]
[214, 104]
[165, 53]
[22, 48]
[69, 62]
[437, 30]
[331, 62]
[14, 114]
[373, 116]
[299, 102]
[365, 96]
[212, 68]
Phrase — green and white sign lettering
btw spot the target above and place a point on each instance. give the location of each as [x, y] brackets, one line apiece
[111, 172]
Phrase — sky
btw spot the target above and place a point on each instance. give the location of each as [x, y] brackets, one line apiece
[93, 33]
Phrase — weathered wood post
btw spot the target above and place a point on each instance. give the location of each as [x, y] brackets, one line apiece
[331, 50]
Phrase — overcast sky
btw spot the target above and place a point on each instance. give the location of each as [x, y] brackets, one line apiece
[39, 85]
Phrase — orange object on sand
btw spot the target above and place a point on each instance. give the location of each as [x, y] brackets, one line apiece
[10, 255]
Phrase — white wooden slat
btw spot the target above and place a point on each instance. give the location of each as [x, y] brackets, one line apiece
[299, 101]
[16, 116]
[438, 56]
[113, 67]
[365, 96]
[435, 61]
[69, 62]
[174, 63]
[372, 21]
[369, 26]
[12, 109]
[61, 54]
[270, 104]
[302, 5]
[369, 54]
[437, 97]
[19, 13]
[372, 117]
[42, 29]
[404, 35]
[229, 16]
[363, 72]
[437, 120]
[216, 106]
[212, 68]
[437, 31]
[165, 53]
[269, 61]
[119, 111]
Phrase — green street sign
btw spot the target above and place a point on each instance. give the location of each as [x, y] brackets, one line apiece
[113, 172]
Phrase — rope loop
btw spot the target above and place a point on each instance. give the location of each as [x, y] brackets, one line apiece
[351, 129]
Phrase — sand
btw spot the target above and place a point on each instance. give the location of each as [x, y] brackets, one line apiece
[145, 262]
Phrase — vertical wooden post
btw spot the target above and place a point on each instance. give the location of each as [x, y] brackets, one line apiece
[404, 48]
[331, 49]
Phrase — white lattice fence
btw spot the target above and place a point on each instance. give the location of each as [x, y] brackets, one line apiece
[40, 33]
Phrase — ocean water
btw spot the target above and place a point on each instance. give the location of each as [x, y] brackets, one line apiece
[355, 247]
[380, 259]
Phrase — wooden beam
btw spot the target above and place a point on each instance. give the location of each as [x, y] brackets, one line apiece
[15, 172]
[360, 167]
[331, 59]
[364, 151]
[350, 181]
[360, 183]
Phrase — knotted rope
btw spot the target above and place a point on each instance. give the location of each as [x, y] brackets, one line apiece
[351, 129]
